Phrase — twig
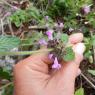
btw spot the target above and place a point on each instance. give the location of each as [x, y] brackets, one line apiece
[10, 27]
[93, 54]
[88, 80]
[37, 28]
[6, 85]
[93, 47]
[8, 4]
[2, 25]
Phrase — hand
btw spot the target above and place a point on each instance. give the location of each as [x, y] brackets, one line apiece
[32, 76]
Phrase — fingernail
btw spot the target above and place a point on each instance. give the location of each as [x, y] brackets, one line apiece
[79, 48]
[75, 38]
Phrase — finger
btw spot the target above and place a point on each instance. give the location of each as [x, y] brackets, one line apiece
[79, 48]
[69, 70]
[74, 65]
[76, 38]
[73, 39]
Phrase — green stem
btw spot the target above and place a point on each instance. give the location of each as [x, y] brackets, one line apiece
[6, 85]
[24, 52]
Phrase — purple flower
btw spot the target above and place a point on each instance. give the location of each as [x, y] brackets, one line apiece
[50, 56]
[56, 65]
[15, 8]
[49, 33]
[46, 17]
[86, 9]
[61, 25]
[42, 42]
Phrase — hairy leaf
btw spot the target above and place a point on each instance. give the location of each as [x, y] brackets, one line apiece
[18, 17]
[8, 42]
[22, 16]
[80, 91]
[92, 72]
[69, 54]
[64, 38]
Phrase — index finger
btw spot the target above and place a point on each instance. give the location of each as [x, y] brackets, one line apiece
[76, 38]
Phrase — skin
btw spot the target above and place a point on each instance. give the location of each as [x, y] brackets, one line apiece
[33, 77]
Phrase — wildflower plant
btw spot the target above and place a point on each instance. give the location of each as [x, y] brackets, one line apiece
[49, 23]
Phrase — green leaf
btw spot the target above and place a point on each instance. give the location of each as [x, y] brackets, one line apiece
[4, 74]
[8, 42]
[34, 38]
[69, 54]
[64, 38]
[88, 54]
[92, 72]
[18, 17]
[80, 91]
[33, 12]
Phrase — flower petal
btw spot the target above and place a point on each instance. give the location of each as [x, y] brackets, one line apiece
[56, 65]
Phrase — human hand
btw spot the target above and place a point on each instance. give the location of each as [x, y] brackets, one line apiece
[32, 75]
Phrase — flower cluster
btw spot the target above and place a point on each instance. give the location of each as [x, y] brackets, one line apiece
[86, 9]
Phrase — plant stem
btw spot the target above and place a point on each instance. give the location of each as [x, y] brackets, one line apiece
[37, 27]
[2, 24]
[24, 52]
[10, 27]
[6, 85]
[88, 80]
[93, 47]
